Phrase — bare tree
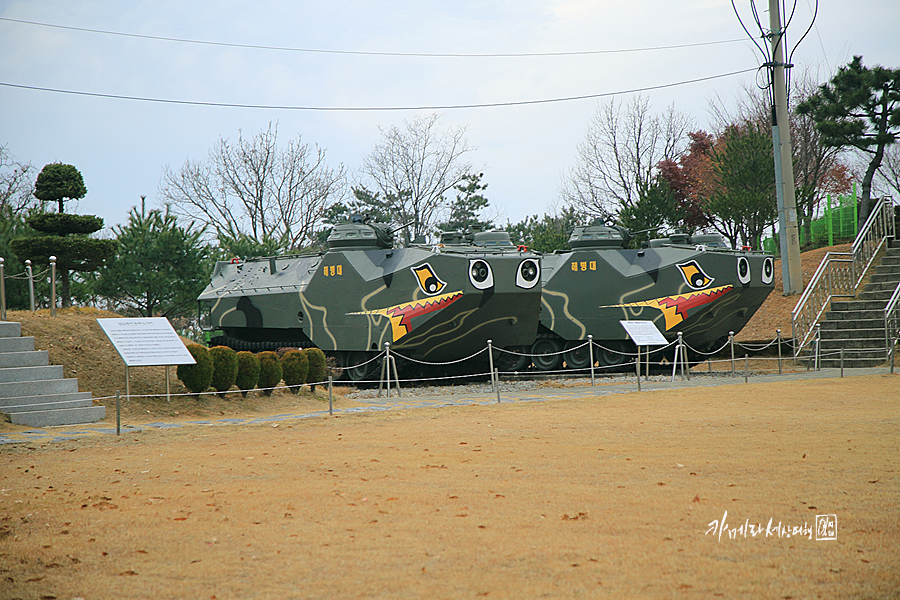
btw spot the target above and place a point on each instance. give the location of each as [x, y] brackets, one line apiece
[252, 189]
[16, 183]
[887, 178]
[618, 157]
[414, 166]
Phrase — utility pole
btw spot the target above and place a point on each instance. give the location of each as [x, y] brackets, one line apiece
[788, 231]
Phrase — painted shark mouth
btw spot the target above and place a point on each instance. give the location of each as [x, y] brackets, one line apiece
[401, 315]
[675, 308]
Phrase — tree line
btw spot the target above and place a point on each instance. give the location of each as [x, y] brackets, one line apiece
[253, 196]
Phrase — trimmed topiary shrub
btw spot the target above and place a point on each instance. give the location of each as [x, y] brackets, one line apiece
[225, 368]
[248, 372]
[316, 360]
[295, 367]
[197, 377]
[269, 372]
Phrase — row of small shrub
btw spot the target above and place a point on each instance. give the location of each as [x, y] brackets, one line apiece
[222, 368]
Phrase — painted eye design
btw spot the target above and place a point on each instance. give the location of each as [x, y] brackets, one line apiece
[480, 274]
[768, 270]
[694, 275]
[743, 270]
[428, 280]
[528, 274]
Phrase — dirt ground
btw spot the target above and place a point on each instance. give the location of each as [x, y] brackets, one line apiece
[618, 496]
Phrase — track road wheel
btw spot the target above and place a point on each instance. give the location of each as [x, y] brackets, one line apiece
[577, 355]
[611, 353]
[353, 366]
[508, 363]
[547, 354]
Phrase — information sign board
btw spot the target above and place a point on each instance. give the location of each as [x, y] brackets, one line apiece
[644, 333]
[146, 342]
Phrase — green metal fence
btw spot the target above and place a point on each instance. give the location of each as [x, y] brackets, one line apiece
[839, 224]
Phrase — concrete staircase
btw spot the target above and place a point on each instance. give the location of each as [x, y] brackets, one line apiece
[857, 325]
[34, 393]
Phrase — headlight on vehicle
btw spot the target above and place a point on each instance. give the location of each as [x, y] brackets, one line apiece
[529, 273]
[480, 274]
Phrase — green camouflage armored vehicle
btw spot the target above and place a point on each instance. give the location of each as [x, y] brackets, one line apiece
[432, 303]
[693, 285]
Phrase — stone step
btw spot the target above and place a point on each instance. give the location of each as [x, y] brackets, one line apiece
[36, 388]
[882, 295]
[878, 286]
[849, 305]
[16, 344]
[10, 329]
[34, 407]
[45, 398]
[890, 259]
[855, 345]
[851, 363]
[882, 277]
[62, 416]
[855, 315]
[851, 324]
[853, 334]
[34, 358]
[31, 373]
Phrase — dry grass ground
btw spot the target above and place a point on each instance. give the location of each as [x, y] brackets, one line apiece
[595, 497]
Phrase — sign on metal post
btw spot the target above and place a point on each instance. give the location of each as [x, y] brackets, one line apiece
[644, 333]
[146, 342]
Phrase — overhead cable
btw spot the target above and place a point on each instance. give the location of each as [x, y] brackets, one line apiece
[364, 52]
[374, 108]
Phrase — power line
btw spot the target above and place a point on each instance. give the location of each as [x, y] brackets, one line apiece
[374, 108]
[363, 52]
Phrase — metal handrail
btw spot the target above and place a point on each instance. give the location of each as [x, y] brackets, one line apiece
[840, 273]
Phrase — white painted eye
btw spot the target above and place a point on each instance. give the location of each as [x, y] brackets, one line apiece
[529, 273]
[768, 270]
[480, 274]
[743, 270]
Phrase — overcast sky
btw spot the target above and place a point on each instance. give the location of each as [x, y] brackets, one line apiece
[121, 146]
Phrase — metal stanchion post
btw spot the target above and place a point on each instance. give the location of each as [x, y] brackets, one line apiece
[381, 377]
[686, 368]
[731, 343]
[53, 288]
[491, 361]
[30, 273]
[778, 341]
[396, 376]
[497, 377]
[591, 351]
[746, 368]
[118, 415]
[2, 291]
[842, 363]
[637, 364]
[818, 345]
[387, 363]
[330, 403]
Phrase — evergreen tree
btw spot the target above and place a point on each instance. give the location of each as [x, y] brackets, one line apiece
[160, 267]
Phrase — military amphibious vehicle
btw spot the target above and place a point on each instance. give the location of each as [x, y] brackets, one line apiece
[693, 285]
[432, 303]
[696, 286]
